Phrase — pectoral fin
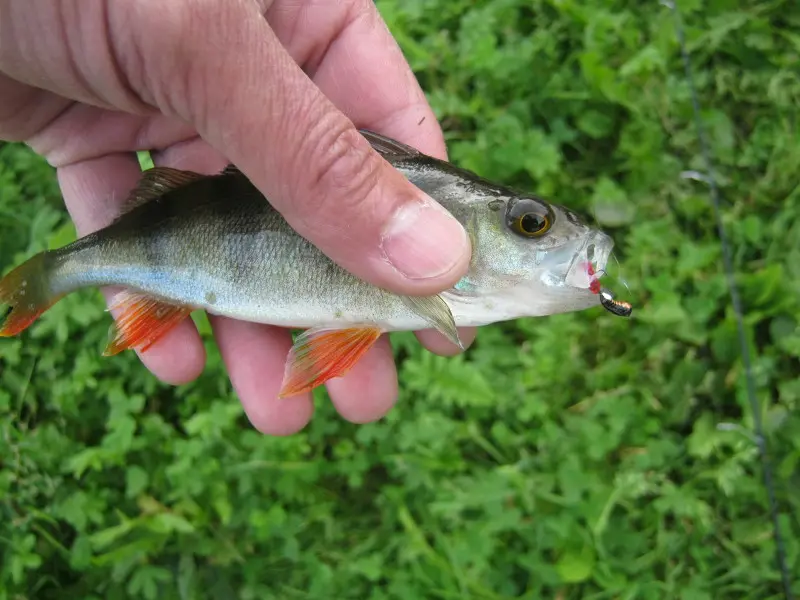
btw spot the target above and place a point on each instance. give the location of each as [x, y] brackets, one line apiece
[142, 322]
[320, 354]
[434, 309]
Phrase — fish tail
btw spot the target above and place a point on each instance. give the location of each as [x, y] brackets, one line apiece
[26, 293]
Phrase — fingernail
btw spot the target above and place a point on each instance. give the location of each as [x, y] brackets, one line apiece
[423, 240]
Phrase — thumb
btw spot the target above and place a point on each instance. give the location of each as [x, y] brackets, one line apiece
[231, 78]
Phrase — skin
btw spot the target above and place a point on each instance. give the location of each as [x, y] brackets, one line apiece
[277, 88]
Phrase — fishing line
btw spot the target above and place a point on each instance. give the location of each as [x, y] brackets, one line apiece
[710, 179]
[619, 277]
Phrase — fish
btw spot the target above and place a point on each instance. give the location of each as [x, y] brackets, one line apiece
[186, 241]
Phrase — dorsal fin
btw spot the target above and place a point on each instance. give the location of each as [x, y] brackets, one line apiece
[386, 146]
[231, 170]
[155, 183]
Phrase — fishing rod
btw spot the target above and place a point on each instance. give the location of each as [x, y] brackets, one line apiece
[709, 178]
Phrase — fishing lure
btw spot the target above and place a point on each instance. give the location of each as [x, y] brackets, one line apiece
[616, 307]
[607, 300]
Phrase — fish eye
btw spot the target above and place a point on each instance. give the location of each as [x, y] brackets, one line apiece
[529, 218]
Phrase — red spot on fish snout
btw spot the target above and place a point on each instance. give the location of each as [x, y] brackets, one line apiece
[594, 283]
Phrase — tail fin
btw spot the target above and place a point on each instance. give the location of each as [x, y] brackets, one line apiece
[25, 294]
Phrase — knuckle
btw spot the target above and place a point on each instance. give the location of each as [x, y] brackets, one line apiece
[342, 170]
[140, 55]
[166, 59]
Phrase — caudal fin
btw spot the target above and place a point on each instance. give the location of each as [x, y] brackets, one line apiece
[24, 295]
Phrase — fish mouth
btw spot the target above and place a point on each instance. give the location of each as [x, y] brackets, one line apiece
[589, 262]
[577, 265]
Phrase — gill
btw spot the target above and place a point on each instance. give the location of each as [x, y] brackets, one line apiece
[757, 435]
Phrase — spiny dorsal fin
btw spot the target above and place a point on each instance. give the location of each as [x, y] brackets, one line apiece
[155, 183]
[231, 170]
[386, 146]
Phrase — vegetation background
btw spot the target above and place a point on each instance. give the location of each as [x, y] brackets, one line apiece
[577, 456]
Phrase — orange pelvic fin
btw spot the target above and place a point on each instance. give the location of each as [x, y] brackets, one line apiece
[320, 354]
[143, 320]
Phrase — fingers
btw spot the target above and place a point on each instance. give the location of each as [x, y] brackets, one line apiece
[84, 132]
[64, 47]
[438, 344]
[228, 75]
[369, 390]
[93, 192]
[254, 356]
[24, 110]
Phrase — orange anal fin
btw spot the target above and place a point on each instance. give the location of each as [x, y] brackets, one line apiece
[321, 354]
[142, 321]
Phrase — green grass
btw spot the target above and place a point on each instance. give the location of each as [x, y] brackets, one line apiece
[577, 456]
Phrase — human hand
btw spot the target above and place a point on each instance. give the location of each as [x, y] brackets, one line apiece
[86, 83]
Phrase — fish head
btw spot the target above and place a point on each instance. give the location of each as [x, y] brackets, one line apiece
[532, 258]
